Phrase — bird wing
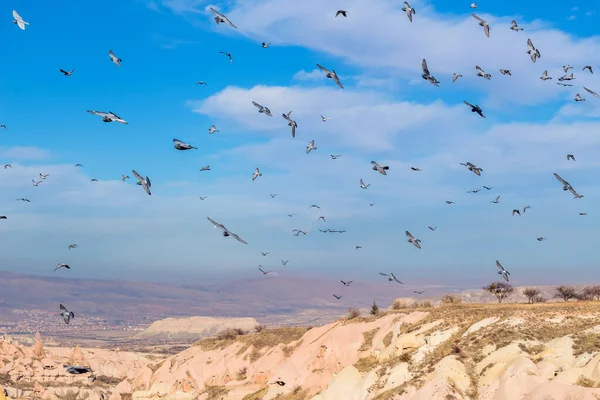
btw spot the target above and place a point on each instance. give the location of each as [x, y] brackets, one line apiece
[486, 29]
[294, 129]
[98, 113]
[138, 176]
[530, 45]
[361, 182]
[257, 105]
[381, 273]
[16, 15]
[374, 164]
[500, 266]
[396, 279]
[478, 68]
[63, 308]
[216, 224]
[561, 180]
[229, 22]
[218, 14]
[592, 92]
[337, 80]
[477, 18]
[424, 67]
[322, 68]
[239, 239]
[177, 141]
[469, 104]
[410, 237]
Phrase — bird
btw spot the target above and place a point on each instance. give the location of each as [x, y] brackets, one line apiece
[322, 218]
[311, 146]
[44, 176]
[589, 68]
[502, 271]
[297, 232]
[427, 75]
[314, 206]
[578, 98]
[335, 156]
[3, 217]
[67, 73]
[486, 27]
[455, 77]
[592, 92]
[358, 247]
[408, 10]
[212, 130]
[532, 51]
[582, 213]
[262, 109]
[391, 277]
[362, 184]
[411, 239]
[514, 26]
[473, 168]
[265, 45]
[563, 84]
[144, 182]
[324, 119]
[496, 201]
[220, 18]
[473, 5]
[346, 283]
[343, 13]
[474, 191]
[72, 246]
[78, 165]
[24, 200]
[226, 232]
[108, 116]
[449, 202]
[205, 168]
[545, 76]
[291, 215]
[256, 174]
[75, 370]
[291, 123]
[488, 187]
[284, 262]
[419, 291]
[433, 229]
[505, 72]
[280, 383]
[66, 314]
[123, 177]
[36, 183]
[179, 145]
[202, 197]
[570, 157]
[567, 186]
[569, 77]
[415, 169]
[332, 75]
[93, 180]
[263, 271]
[475, 109]
[567, 67]
[114, 58]
[264, 254]
[227, 55]
[337, 297]
[379, 168]
[201, 83]
[540, 239]
[62, 265]
[482, 73]
[273, 195]
[526, 208]
[515, 211]
[3, 126]
[18, 20]
[7, 166]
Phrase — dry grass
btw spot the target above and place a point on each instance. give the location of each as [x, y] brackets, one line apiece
[297, 394]
[126, 396]
[586, 382]
[586, 343]
[368, 339]
[242, 374]
[289, 349]
[266, 337]
[72, 395]
[215, 392]
[353, 313]
[366, 364]
[400, 304]
[254, 355]
[258, 395]
[387, 339]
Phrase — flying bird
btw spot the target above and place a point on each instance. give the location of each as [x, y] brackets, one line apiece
[123, 177]
[311, 146]
[44, 176]
[592, 92]
[515, 211]
[220, 18]
[273, 195]
[75, 370]
[455, 77]
[362, 184]
[18, 20]
[449, 202]
[212, 130]
[496, 201]
[66, 314]
[567, 186]
[72, 246]
[323, 218]
[36, 183]
[291, 215]
[291, 123]
[502, 271]
[114, 59]
[78, 165]
[314, 206]
[358, 247]
[408, 10]
[346, 283]
[433, 229]
[205, 168]
[569, 77]
[227, 55]
[391, 277]
[226, 232]
[256, 174]
[589, 68]
[427, 75]
[67, 73]
[262, 109]
[3, 126]
[540, 239]
[108, 116]
[475, 108]
[264, 45]
[179, 145]
[24, 199]
[144, 182]
[578, 98]
[62, 265]
[526, 208]
[505, 72]
[264, 254]
[332, 75]
[201, 83]
[567, 67]
[532, 51]
[419, 291]
[482, 73]
[335, 156]
[263, 271]
[285, 262]
[7, 166]
[545, 76]
[202, 197]
[582, 213]
[474, 191]
[473, 5]
[343, 13]
[473, 168]
[514, 26]
[487, 187]
[415, 169]
[324, 119]
[93, 180]
[379, 168]
[486, 27]
[570, 157]
[411, 239]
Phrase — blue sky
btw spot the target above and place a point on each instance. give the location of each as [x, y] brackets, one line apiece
[386, 112]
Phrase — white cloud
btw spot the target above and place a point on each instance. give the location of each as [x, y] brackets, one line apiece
[314, 75]
[24, 153]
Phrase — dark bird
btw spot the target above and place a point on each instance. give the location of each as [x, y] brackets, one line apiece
[379, 168]
[23, 199]
[280, 383]
[227, 54]
[67, 73]
[488, 187]
[540, 239]
[515, 211]
[264, 254]
[434, 228]
[264, 272]
[475, 108]
[226, 232]
[75, 370]
[343, 13]
[314, 206]
[419, 291]
[337, 297]
[284, 262]
[358, 247]
[589, 68]
[273, 195]
[66, 314]
[346, 283]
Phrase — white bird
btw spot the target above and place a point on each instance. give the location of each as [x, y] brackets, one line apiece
[256, 174]
[36, 183]
[179, 145]
[324, 119]
[532, 51]
[455, 77]
[408, 10]
[473, 5]
[514, 26]
[62, 265]
[18, 20]
[108, 116]
[220, 18]
[311, 146]
[567, 67]
[123, 177]
[44, 176]
[545, 76]
[144, 182]
[212, 130]
[362, 184]
[502, 271]
[579, 98]
[114, 58]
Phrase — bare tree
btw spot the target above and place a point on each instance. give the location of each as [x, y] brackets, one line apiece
[592, 292]
[499, 289]
[539, 299]
[530, 293]
[565, 292]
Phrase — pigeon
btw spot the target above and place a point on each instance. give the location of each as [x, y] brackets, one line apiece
[371, 204]
[588, 67]
[291, 215]
[569, 77]
[532, 51]
[284, 262]
[66, 314]
[514, 26]
[475, 109]
[592, 92]
[62, 265]
[567, 186]
[563, 84]
[415, 169]
[314, 206]
[36, 183]
[358, 247]
[3, 126]
[265, 45]
[179, 145]
[24, 200]
[455, 77]
[324, 119]
[264, 254]
[44, 176]
[144, 182]
[226, 232]
[473, 5]
[526, 208]
[505, 72]
[343, 13]
[202, 197]
[77, 370]
[449, 202]
[337, 297]
[322, 218]
[486, 27]
[212, 130]
[114, 58]
[391, 277]
[567, 67]
[515, 211]
[72, 246]
[273, 195]
[201, 83]
[433, 229]
[297, 232]
[123, 177]
[332, 75]
[2, 216]
[578, 98]
[545, 76]
[540, 239]
[411, 239]
[482, 73]
[262, 109]
[205, 168]
[78, 165]
[570, 157]
[291, 123]
[502, 271]
[408, 10]
[582, 213]
[227, 54]
[93, 180]
[335, 156]
[280, 383]
[473, 191]
[18, 20]
[263, 271]
[67, 73]
[419, 291]
[379, 168]
[7, 166]
[362, 184]
[346, 283]
[487, 187]
[427, 75]
[497, 200]
[256, 174]
[311, 146]
[220, 18]
[108, 116]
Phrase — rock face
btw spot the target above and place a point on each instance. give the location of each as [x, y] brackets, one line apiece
[193, 328]
[38, 349]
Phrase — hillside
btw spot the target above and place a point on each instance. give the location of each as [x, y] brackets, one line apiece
[470, 351]
[193, 327]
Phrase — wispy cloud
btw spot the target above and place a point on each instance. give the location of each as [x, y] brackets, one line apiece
[314, 75]
[24, 153]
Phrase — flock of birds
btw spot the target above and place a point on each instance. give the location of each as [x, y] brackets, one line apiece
[179, 145]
